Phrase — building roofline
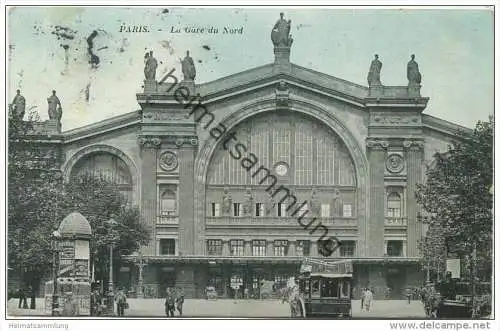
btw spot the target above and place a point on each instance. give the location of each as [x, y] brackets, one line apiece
[105, 126]
[445, 127]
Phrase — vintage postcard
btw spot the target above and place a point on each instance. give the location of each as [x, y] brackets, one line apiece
[253, 162]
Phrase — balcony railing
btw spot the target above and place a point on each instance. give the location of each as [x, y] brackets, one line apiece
[396, 221]
[277, 221]
[167, 219]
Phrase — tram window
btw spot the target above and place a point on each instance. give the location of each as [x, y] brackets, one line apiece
[330, 288]
[345, 289]
[315, 287]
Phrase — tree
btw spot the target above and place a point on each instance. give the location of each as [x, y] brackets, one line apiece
[38, 200]
[98, 200]
[457, 198]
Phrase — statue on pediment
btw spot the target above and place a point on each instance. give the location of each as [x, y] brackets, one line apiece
[374, 72]
[18, 106]
[55, 109]
[188, 68]
[226, 202]
[280, 34]
[314, 205]
[337, 203]
[247, 206]
[413, 73]
[151, 64]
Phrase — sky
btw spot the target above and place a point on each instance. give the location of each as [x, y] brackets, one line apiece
[454, 50]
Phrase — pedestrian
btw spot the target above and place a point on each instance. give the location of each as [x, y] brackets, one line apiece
[408, 295]
[121, 302]
[363, 294]
[169, 303]
[246, 293]
[180, 301]
[22, 299]
[368, 299]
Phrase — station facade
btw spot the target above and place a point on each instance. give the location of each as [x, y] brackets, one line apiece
[353, 154]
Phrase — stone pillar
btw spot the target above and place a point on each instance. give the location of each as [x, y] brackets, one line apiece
[270, 248]
[248, 248]
[225, 248]
[189, 244]
[378, 281]
[404, 248]
[314, 248]
[185, 280]
[414, 155]
[149, 148]
[291, 248]
[376, 158]
[385, 247]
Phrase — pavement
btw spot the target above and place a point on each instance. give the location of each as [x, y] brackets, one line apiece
[154, 308]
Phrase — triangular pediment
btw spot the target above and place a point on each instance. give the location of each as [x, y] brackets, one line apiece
[271, 75]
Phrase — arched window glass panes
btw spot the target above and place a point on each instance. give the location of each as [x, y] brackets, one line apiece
[394, 205]
[107, 166]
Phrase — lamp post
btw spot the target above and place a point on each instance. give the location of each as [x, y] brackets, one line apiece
[55, 257]
[140, 284]
[110, 302]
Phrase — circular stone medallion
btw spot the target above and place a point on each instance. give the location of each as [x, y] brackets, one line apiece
[168, 161]
[395, 163]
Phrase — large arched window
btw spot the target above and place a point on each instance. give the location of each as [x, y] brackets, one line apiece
[394, 205]
[107, 166]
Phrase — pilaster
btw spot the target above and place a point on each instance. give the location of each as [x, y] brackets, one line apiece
[225, 248]
[270, 248]
[149, 149]
[291, 248]
[414, 152]
[189, 243]
[247, 251]
[376, 150]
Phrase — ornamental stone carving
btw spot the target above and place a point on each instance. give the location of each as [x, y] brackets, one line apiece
[395, 163]
[163, 116]
[376, 143]
[282, 94]
[149, 142]
[168, 161]
[413, 143]
[179, 142]
[391, 120]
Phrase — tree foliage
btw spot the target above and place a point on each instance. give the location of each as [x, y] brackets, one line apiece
[457, 197]
[38, 200]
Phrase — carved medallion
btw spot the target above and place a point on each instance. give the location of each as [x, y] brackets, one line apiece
[395, 163]
[168, 161]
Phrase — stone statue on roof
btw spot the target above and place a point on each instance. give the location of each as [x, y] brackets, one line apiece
[412, 72]
[280, 34]
[374, 72]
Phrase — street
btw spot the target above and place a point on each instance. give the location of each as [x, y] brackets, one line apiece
[242, 309]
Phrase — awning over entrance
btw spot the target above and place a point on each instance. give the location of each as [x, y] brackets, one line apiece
[263, 259]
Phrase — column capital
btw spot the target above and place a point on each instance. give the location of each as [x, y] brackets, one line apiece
[415, 144]
[377, 143]
[149, 141]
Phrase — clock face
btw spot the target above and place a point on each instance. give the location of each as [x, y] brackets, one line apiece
[281, 169]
